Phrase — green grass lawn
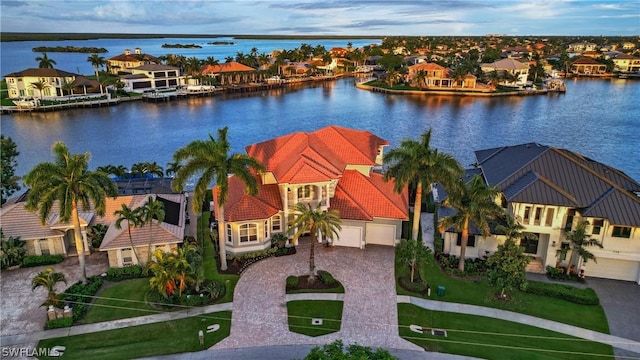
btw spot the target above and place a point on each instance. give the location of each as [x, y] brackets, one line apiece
[209, 263]
[300, 313]
[170, 337]
[490, 338]
[479, 293]
[126, 299]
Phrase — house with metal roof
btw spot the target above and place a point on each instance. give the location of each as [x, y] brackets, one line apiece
[551, 190]
[334, 167]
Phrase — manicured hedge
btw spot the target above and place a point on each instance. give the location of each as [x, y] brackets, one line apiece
[565, 292]
[326, 278]
[34, 260]
[125, 273]
[79, 295]
[58, 323]
[417, 286]
[292, 282]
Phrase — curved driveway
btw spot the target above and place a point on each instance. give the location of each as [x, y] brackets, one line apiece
[369, 315]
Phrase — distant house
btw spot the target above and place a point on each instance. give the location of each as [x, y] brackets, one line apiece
[229, 72]
[127, 61]
[153, 77]
[20, 84]
[550, 190]
[338, 52]
[626, 63]
[588, 66]
[580, 47]
[514, 67]
[627, 45]
[333, 167]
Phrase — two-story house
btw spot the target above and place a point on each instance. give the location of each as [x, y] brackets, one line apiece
[153, 77]
[550, 190]
[127, 61]
[334, 167]
[432, 75]
[21, 84]
[626, 63]
[519, 71]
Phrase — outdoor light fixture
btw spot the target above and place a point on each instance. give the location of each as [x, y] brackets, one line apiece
[553, 243]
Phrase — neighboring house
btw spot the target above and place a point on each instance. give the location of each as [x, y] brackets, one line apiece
[587, 66]
[19, 83]
[432, 75]
[627, 45]
[338, 52]
[627, 63]
[229, 72]
[514, 67]
[152, 77]
[127, 61]
[581, 46]
[550, 190]
[334, 167]
[166, 235]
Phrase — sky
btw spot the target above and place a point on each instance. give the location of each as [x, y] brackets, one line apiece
[325, 17]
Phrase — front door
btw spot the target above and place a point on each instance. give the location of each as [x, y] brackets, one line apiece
[530, 246]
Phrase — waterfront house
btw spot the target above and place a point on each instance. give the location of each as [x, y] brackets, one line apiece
[126, 61]
[20, 84]
[152, 77]
[520, 71]
[550, 190]
[626, 63]
[588, 66]
[333, 167]
[229, 72]
[432, 75]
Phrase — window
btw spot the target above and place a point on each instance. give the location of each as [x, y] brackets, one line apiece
[470, 243]
[569, 224]
[44, 247]
[538, 215]
[266, 229]
[305, 192]
[549, 220]
[229, 234]
[248, 232]
[621, 232]
[527, 214]
[276, 223]
[597, 226]
[126, 257]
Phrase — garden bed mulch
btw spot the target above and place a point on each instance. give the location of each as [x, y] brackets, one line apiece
[236, 267]
[304, 284]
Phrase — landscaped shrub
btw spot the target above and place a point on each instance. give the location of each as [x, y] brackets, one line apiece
[79, 295]
[215, 289]
[58, 323]
[249, 258]
[292, 282]
[12, 251]
[565, 292]
[125, 273]
[562, 274]
[417, 286]
[326, 278]
[472, 267]
[34, 260]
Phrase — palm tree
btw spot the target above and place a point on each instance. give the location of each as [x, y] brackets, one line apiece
[44, 62]
[417, 163]
[513, 230]
[473, 202]
[172, 168]
[212, 161]
[152, 209]
[134, 219]
[40, 86]
[163, 272]
[153, 169]
[579, 240]
[68, 87]
[139, 169]
[48, 279]
[96, 61]
[68, 181]
[314, 221]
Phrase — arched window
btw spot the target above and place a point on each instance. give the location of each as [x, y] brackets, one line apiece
[248, 233]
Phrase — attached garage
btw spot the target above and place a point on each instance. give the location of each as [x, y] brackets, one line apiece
[613, 269]
[350, 236]
[380, 234]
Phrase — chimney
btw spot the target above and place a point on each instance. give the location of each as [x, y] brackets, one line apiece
[138, 52]
[127, 52]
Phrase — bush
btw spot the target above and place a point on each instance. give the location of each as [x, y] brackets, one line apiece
[125, 273]
[565, 292]
[292, 282]
[417, 286]
[326, 278]
[58, 323]
[215, 289]
[79, 295]
[30, 261]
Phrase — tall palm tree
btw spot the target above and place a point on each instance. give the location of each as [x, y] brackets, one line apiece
[152, 209]
[579, 240]
[417, 163]
[40, 86]
[473, 202]
[48, 279]
[96, 61]
[69, 181]
[314, 221]
[68, 87]
[133, 217]
[210, 160]
[44, 62]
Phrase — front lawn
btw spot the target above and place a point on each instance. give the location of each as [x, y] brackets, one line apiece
[478, 292]
[490, 338]
[301, 312]
[209, 259]
[125, 299]
[169, 337]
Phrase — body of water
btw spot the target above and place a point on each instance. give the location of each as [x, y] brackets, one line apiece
[597, 118]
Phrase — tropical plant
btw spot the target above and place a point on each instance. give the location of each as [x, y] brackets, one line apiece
[44, 62]
[48, 279]
[412, 253]
[139, 169]
[96, 234]
[514, 230]
[579, 241]
[473, 201]
[418, 163]
[153, 169]
[172, 168]
[96, 61]
[171, 271]
[9, 181]
[314, 221]
[40, 86]
[152, 209]
[507, 267]
[210, 159]
[336, 350]
[12, 250]
[68, 87]
[68, 181]
[133, 217]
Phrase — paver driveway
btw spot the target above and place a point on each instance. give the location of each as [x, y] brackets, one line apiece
[369, 315]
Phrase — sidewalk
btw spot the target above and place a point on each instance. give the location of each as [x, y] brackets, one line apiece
[615, 341]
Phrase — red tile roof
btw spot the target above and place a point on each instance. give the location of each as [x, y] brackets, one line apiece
[241, 207]
[225, 67]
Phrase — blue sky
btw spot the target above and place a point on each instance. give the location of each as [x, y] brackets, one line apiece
[326, 17]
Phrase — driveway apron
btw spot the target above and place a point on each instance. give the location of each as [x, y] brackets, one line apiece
[370, 310]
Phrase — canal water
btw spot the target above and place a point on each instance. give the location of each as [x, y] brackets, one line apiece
[597, 118]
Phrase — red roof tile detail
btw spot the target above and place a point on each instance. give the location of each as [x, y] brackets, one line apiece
[240, 206]
[226, 67]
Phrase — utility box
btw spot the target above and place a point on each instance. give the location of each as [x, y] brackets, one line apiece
[441, 290]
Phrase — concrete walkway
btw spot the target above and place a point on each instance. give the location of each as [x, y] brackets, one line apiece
[615, 341]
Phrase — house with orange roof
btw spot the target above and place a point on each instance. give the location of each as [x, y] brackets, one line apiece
[334, 168]
[432, 75]
[230, 72]
[127, 61]
[588, 66]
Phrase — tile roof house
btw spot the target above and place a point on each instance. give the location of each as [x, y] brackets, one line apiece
[550, 190]
[432, 75]
[333, 167]
[19, 83]
[511, 66]
[587, 66]
[127, 61]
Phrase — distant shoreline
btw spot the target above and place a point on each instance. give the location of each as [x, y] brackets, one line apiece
[9, 36]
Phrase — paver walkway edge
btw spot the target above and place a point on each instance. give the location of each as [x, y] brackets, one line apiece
[614, 341]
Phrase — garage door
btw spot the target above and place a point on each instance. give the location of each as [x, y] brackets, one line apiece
[349, 236]
[381, 234]
[613, 269]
